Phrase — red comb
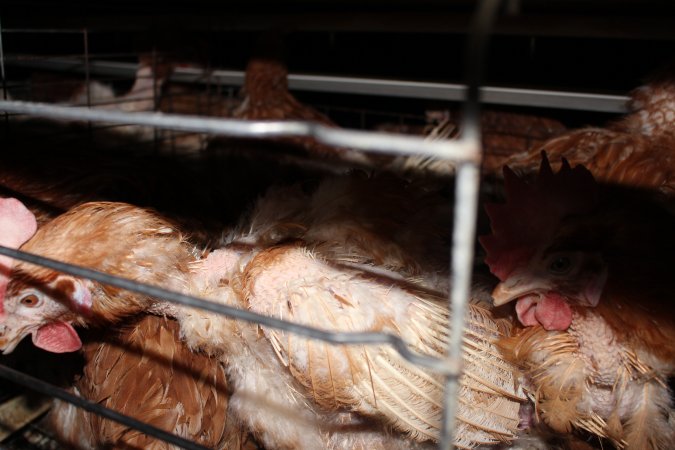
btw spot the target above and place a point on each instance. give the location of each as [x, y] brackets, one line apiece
[533, 212]
[17, 225]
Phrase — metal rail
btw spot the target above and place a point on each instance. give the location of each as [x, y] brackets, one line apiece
[363, 140]
[541, 98]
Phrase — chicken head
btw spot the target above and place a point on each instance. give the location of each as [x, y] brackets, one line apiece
[46, 310]
[545, 275]
[21, 316]
[110, 237]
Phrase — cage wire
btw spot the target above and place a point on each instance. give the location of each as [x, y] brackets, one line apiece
[94, 109]
[96, 80]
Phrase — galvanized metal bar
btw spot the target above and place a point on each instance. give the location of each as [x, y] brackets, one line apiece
[87, 72]
[2, 66]
[368, 141]
[466, 205]
[542, 98]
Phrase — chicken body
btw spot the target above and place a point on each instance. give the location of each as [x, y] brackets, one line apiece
[587, 379]
[327, 258]
[267, 98]
[586, 275]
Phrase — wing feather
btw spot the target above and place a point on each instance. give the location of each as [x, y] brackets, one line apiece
[292, 282]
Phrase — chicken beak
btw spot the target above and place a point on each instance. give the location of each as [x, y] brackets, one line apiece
[518, 285]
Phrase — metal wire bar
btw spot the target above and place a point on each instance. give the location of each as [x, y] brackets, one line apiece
[466, 197]
[466, 201]
[87, 73]
[448, 368]
[543, 98]
[2, 66]
[363, 140]
[43, 387]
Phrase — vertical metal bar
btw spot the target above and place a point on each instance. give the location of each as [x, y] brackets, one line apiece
[87, 74]
[87, 80]
[214, 101]
[466, 205]
[2, 66]
[155, 100]
[466, 200]
[2, 73]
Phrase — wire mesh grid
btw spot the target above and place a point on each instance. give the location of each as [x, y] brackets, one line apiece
[465, 151]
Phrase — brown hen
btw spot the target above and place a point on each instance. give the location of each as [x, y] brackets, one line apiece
[589, 270]
[637, 151]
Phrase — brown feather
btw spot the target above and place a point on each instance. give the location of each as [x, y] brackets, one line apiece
[636, 151]
[144, 370]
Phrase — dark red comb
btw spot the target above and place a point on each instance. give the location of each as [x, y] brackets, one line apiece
[533, 212]
[17, 225]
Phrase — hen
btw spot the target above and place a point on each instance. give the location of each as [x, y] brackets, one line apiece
[335, 259]
[637, 151]
[589, 270]
[266, 94]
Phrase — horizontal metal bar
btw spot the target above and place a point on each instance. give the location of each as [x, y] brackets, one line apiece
[459, 150]
[556, 99]
[43, 387]
[448, 368]
[541, 98]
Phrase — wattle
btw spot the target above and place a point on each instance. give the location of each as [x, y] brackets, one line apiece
[551, 311]
[57, 337]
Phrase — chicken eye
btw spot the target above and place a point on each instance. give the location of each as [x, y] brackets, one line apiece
[30, 300]
[560, 265]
